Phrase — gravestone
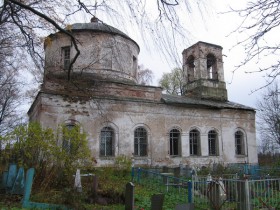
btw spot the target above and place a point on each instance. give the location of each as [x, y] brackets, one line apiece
[12, 173]
[78, 182]
[164, 169]
[177, 172]
[95, 184]
[157, 202]
[28, 186]
[243, 195]
[188, 171]
[189, 206]
[129, 196]
[216, 193]
[4, 179]
[164, 173]
[18, 186]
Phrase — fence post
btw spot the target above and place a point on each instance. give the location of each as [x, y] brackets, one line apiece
[189, 191]
[247, 194]
[138, 175]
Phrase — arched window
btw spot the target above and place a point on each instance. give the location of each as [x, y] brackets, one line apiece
[213, 143]
[174, 142]
[140, 141]
[212, 67]
[239, 143]
[67, 131]
[107, 142]
[194, 142]
[190, 68]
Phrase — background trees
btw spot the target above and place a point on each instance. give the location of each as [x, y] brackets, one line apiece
[144, 76]
[173, 82]
[269, 119]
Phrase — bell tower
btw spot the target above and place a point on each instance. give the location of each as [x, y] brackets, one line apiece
[204, 72]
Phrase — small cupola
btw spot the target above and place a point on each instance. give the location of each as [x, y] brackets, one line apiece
[204, 72]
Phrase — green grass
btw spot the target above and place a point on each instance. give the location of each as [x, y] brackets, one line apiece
[111, 182]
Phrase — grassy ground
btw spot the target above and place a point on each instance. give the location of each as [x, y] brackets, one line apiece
[110, 194]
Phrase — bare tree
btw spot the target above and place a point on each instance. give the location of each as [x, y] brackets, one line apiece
[9, 100]
[30, 20]
[9, 84]
[173, 83]
[24, 23]
[260, 24]
[144, 76]
[269, 118]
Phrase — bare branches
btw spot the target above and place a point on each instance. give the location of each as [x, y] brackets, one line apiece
[54, 23]
[261, 21]
[269, 116]
[144, 76]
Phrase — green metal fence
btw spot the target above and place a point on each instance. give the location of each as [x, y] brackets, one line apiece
[206, 192]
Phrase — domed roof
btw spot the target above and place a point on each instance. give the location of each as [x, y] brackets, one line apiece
[98, 26]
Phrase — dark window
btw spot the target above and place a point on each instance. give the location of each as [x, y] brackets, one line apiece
[66, 57]
[140, 142]
[213, 143]
[194, 142]
[134, 63]
[106, 141]
[174, 140]
[212, 67]
[239, 143]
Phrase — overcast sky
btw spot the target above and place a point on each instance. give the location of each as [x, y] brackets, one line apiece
[216, 28]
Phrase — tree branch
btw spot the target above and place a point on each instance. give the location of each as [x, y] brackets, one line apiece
[45, 17]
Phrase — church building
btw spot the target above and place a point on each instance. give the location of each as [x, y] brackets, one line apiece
[121, 117]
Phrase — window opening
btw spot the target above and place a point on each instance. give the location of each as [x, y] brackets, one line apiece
[239, 143]
[213, 143]
[134, 61]
[212, 67]
[174, 140]
[66, 57]
[66, 142]
[190, 68]
[140, 142]
[194, 142]
[106, 144]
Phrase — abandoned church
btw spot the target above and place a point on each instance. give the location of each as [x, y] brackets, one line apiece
[122, 117]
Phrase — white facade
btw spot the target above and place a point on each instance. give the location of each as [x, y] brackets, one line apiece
[122, 118]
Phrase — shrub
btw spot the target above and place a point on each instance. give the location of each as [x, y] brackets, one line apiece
[31, 145]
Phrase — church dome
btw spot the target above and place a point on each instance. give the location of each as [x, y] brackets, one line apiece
[105, 52]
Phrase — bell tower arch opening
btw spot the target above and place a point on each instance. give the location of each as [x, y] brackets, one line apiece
[190, 68]
[212, 71]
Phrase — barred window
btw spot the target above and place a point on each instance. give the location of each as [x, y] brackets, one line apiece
[107, 142]
[239, 143]
[66, 142]
[140, 142]
[213, 143]
[174, 141]
[194, 142]
[66, 57]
